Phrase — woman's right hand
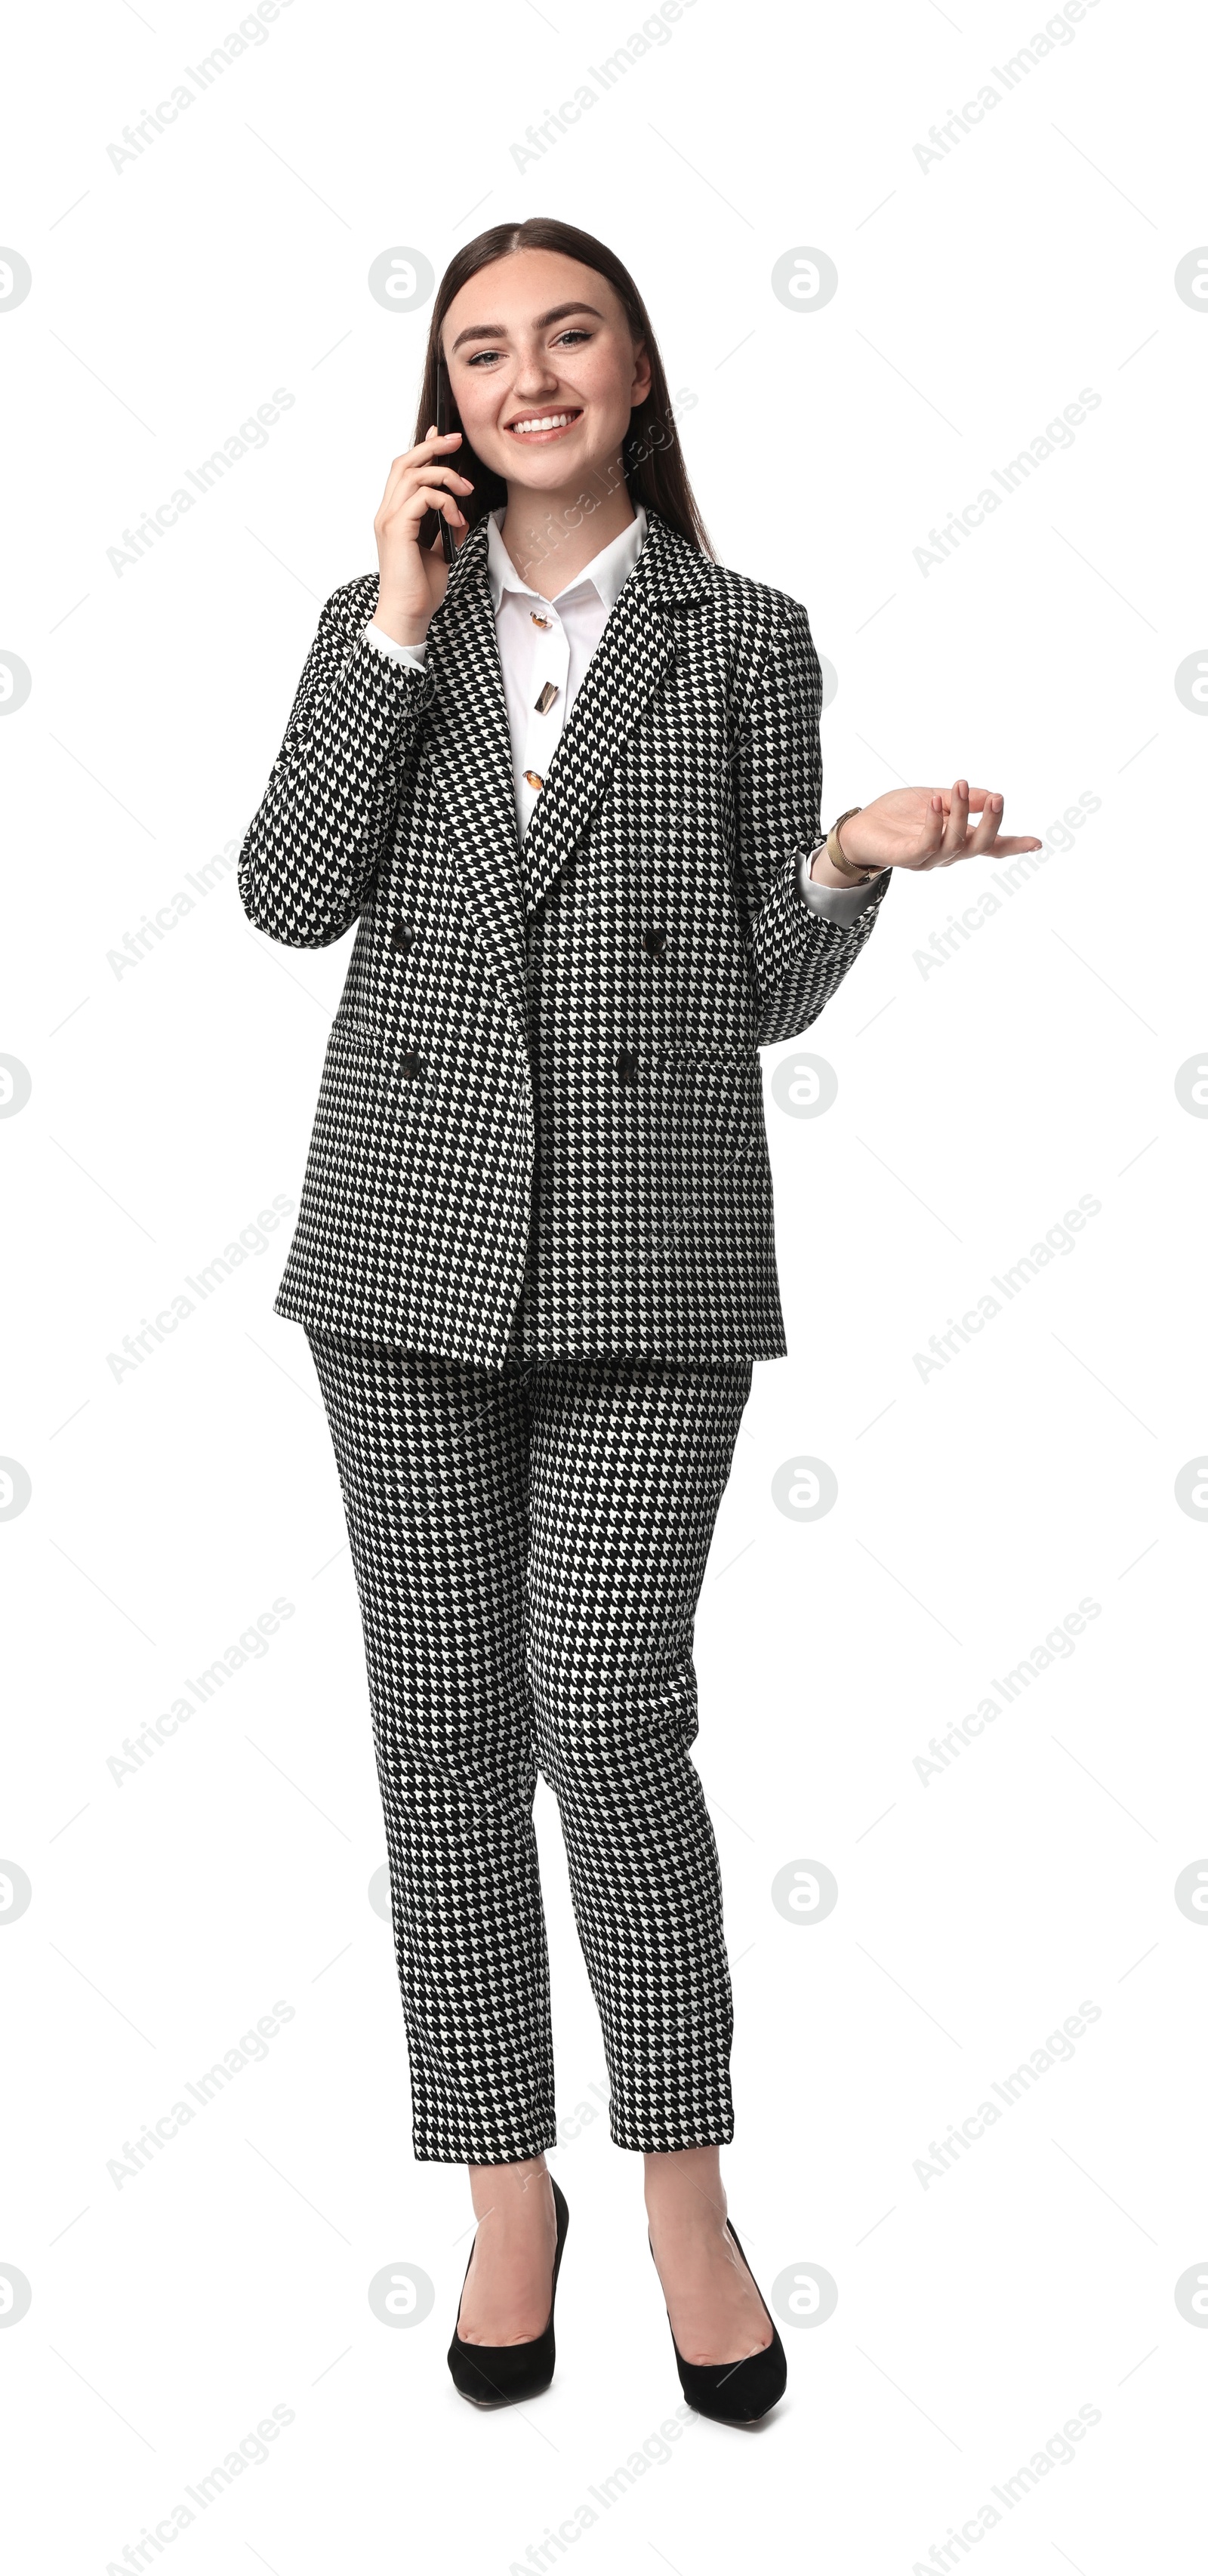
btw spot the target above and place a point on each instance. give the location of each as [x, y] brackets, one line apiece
[411, 578]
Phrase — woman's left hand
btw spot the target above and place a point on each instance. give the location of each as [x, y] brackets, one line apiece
[928, 827]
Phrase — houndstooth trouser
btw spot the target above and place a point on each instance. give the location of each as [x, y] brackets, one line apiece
[529, 1546]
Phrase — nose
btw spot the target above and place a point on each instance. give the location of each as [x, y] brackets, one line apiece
[535, 374]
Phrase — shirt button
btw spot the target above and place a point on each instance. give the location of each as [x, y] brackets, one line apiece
[540, 621]
[402, 936]
[411, 1063]
[543, 704]
[534, 782]
[654, 940]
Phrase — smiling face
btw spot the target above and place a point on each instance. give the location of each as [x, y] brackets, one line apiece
[543, 369]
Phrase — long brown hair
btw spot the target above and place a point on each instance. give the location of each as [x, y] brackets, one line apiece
[653, 460]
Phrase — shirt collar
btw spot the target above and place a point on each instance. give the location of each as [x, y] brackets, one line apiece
[608, 571]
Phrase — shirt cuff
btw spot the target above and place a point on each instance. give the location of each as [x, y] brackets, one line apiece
[414, 655]
[840, 904]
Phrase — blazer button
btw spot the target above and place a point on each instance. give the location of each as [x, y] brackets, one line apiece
[654, 940]
[411, 1063]
[402, 936]
[627, 1068]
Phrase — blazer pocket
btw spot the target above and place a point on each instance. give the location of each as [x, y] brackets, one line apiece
[720, 1052]
[713, 1106]
[373, 1081]
[364, 1037]
[349, 1028]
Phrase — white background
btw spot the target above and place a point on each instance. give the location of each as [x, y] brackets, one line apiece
[976, 1507]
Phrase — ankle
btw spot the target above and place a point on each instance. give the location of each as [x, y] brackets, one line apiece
[685, 2194]
[688, 2236]
[513, 2195]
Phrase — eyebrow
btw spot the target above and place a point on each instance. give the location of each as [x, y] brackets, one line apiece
[497, 330]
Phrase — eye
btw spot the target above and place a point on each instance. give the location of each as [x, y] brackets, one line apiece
[573, 331]
[477, 360]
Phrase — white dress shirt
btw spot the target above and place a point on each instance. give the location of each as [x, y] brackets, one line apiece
[545, 646]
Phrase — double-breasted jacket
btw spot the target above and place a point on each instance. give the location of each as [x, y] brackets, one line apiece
[540, 1128]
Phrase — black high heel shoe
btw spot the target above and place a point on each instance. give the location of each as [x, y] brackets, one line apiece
[735, 2392]
[501, 2374]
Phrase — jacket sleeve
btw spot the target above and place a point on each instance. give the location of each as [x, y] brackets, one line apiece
[314, 844]
[798, 956]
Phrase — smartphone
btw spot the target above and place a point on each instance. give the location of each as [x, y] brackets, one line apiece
[444, 405]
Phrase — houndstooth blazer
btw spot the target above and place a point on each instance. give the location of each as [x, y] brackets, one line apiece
[540, 1127]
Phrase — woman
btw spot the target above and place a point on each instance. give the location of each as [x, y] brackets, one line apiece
[568, 789]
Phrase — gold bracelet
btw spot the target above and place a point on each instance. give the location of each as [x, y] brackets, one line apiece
[859, 877]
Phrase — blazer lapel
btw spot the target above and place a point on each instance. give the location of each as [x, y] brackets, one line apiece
[466, 732]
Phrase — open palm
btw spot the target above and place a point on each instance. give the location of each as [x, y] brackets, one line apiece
[928, 827]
